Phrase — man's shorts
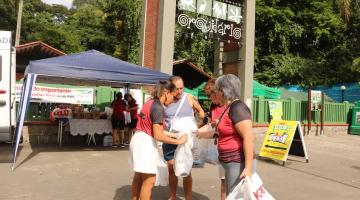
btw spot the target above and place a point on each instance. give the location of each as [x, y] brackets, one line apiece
[169, 151]
[118, 124]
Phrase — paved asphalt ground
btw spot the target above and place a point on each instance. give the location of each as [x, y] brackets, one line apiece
[82, 172]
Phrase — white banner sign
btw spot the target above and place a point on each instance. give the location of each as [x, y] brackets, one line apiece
[59, 95]
[315, 100]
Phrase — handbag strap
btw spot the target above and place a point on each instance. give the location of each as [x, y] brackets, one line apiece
[178, 109]
[216, 134]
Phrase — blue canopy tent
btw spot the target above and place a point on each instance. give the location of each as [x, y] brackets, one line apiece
[85, 68]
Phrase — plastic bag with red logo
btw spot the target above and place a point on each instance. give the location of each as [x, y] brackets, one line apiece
[250, 188]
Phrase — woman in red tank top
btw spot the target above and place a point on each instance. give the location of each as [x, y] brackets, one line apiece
[234, 127]
[235, 142]
[143, 146]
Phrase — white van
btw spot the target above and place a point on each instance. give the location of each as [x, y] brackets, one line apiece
[7, 87]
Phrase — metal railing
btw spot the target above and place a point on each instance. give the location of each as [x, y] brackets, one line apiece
[335, 113]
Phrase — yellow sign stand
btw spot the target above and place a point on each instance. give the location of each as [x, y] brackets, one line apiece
[283, 138]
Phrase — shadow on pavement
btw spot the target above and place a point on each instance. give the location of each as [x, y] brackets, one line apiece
[6, 151]
[158, 193]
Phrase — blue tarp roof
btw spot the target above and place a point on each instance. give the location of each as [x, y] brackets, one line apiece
[93, 65]
[350, 94]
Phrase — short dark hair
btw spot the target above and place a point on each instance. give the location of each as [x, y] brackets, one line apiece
[127, 95]
[161, 86]
[132, 100]
[119, 95]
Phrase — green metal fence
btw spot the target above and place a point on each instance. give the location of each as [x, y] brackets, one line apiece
[335, 113]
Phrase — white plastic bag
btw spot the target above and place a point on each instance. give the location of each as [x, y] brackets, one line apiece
[183, 160]
[206, 148]
[199, 146]
[250, 188]
[127, 117]
[196, 151]
[238, 191]
[162, 173]
[109, 112]
[183, 124]
[211, 154]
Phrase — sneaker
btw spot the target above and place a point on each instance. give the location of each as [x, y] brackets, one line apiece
[122, 145]
[126, 143]
[114, 145]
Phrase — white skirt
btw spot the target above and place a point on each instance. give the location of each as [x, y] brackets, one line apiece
[144, 155]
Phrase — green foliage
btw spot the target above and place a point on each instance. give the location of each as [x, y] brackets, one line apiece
[87, 24]
[305, 42]
[276, 32]
[7, 13]
[122, 21]
[279, 69]
[41, 22]
[356, 65]
[192, 45]
[78, 3]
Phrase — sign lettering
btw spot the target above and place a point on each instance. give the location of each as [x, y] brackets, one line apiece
[213, 26]
[59, 95]
[279, 140]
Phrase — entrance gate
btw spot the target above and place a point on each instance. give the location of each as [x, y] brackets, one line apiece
[237, 20]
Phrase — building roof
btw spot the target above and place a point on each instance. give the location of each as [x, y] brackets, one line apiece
[34, 51]
[192, 75]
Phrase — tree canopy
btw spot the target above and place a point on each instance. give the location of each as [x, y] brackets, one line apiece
[302, 42]
[307, 42]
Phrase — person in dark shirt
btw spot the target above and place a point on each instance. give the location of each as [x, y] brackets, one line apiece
[118, 120]
[133, 109]
[143, 146]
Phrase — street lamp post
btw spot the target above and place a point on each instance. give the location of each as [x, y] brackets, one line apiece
[342, 88]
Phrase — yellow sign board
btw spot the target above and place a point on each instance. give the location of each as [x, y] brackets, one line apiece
[279, 138]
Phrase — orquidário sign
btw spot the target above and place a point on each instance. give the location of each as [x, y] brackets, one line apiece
[219, 10]
[210, 26]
